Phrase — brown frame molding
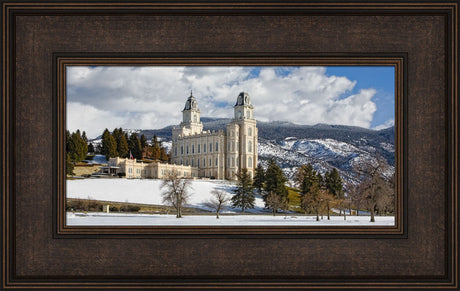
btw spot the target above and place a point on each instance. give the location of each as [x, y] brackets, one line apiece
[39, 252]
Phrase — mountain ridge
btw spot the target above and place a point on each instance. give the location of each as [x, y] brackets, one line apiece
[325, 146]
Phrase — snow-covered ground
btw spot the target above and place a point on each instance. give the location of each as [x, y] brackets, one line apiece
[210, 220]
[148, 191]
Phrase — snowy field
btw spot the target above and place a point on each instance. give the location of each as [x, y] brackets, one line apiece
[148, 191]
[210, 220]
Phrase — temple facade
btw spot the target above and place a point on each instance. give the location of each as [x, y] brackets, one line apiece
[198, 153]
[216, 154]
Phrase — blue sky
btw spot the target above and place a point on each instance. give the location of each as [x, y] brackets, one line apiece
[153, 97]
[381, 78]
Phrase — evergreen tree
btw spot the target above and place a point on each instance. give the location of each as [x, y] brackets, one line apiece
[68, 147]
[143, 141]
[78, 147]
[304, 177]
[311, 199]
[109, 145]
[334, 183]
[244, 193]
[122, 143]
[83, 136]
[156, 150]
[134, 145]
[313, 194]
[69, 165]
[275, 179]
[259, 179]
[90, 148]
[163, 155]
[67, 141]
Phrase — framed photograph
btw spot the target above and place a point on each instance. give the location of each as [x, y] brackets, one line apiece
[175, 145]
[251, 162]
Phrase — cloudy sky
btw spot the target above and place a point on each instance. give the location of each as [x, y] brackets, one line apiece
[153, 97]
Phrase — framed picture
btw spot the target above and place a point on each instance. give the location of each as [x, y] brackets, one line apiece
[53, 52]
[247, 170]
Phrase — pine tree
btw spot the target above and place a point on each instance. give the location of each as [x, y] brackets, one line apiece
[163, 155]
[304, 177]
[77, 147]
[143, 141]
[90, 148]
[69, 165]
[109, 145]
[156, 150]
[83, 136]
[334, 183]
[122, 143]
[68, 142]
[275, 179]
[134, 145]
[244, 193]
[259, 179]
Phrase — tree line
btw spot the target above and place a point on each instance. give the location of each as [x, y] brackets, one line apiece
[115, 144]
[119, 144]
[76, 146]
[319, 193]
[374, 192]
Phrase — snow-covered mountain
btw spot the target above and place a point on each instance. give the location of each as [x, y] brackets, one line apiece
[324, 146]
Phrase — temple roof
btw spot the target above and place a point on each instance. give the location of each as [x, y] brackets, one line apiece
[191, 103]
[243, 99]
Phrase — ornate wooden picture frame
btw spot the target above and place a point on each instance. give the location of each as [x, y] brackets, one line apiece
[41, 38]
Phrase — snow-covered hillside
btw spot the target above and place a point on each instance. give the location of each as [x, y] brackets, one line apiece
[323, 154]
[291, 145]
[148, 191]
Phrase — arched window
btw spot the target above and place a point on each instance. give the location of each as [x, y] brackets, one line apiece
[210, 161]
[210, 147]
[217, 147]
[250, 162]
[216, 161]
[250, 146]
[181, 150]
[198, 162]
[187, 149]
[193, 148]
[198, 148]
[204, 148]
[204, 162]
[250, 131]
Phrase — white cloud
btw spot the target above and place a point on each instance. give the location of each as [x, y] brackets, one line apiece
[386, 124]
[153, 97]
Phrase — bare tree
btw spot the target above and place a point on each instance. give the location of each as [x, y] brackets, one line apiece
[355, 197]
[218, 201]
[275, 202]
[325, 198]
[374, 187]
[175, 191]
